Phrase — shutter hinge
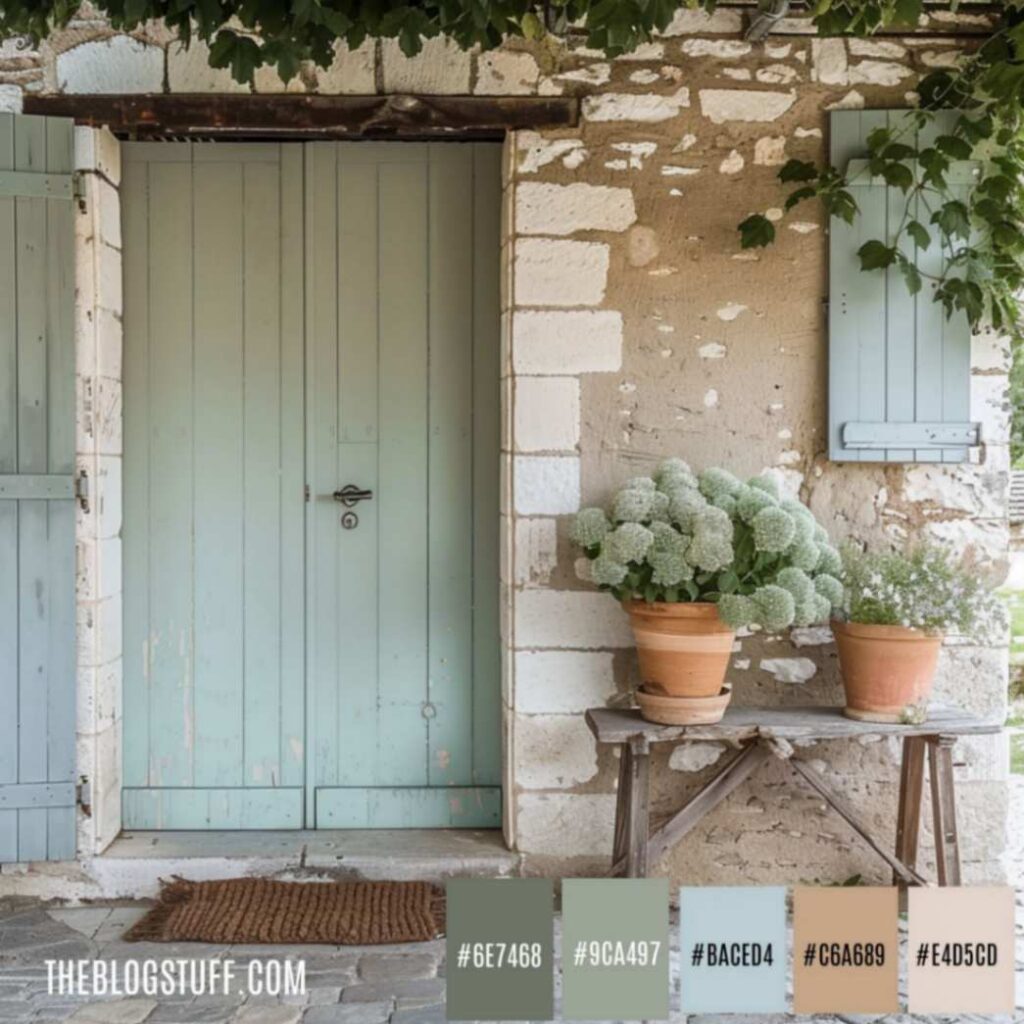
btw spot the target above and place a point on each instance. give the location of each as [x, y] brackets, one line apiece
[78, 189]
[83, 795]
[82, 490]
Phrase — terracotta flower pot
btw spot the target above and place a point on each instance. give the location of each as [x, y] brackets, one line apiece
[684, 649]
[887, 670]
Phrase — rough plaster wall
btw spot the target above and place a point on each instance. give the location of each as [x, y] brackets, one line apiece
[634, 327]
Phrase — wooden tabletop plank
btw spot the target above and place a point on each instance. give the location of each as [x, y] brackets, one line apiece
[611, 725]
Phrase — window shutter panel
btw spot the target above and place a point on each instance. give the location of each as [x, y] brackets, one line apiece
[37, 507]
[899, 370]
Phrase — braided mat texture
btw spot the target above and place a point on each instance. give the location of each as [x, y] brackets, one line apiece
[259, 910]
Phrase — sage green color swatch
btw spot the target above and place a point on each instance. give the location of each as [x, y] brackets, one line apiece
[733, 949]
[615, 949]
[500, 949]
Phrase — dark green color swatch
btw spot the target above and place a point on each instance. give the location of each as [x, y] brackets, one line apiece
[615, 942]
[500, 949]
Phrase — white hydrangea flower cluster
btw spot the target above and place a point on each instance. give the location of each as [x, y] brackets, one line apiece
[682, 536]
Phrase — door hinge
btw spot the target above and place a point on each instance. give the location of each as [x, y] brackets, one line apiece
[82, 489]
[83, 795]
[306, 492]
[78, 189]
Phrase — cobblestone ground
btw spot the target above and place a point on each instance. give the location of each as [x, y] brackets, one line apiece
[344, 985]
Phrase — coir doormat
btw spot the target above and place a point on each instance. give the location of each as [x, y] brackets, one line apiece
[259, 910]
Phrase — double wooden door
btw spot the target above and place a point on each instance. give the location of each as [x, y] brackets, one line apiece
[311, 510]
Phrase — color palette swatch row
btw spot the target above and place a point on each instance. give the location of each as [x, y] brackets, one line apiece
[736, 952]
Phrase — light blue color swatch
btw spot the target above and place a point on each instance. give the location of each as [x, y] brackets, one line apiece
[733, 949]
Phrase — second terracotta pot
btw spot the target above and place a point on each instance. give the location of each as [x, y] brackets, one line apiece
[887, 670]
[684, 649]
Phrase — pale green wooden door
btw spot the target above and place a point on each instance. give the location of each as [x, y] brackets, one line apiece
[402, 248]
[214, 725]
[299, 318]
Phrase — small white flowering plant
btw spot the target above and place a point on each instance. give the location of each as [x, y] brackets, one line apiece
[925, 589]
[681, 536]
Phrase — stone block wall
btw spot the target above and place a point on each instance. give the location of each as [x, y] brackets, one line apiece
[98, 446]
[635, 328]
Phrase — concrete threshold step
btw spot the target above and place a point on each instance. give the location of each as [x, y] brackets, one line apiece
[135, 861]
[133, 865]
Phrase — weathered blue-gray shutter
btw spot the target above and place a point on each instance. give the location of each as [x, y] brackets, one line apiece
[37, 508]
[899, 369]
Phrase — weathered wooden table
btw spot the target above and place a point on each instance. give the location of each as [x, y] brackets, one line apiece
[760, 734]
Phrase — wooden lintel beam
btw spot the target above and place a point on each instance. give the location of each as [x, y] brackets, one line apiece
[202, 114]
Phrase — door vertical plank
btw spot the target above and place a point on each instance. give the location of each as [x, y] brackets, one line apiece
[9, 589]
[931, 318]
[218, 468]
[857, 312]
[292, 475]
[261, 506]
[955, 361]
[138, 650]
[61, 705]
[450, 465]
[30, 224]
[403, 496]
[33, 457]
[486, 449]
[60, 411]
[172, 441]
[8, 312]
[8, 509]
[34, 636]
[357, 549]
[321, 418]
[60, 293]
[868, 300]
[900, 310]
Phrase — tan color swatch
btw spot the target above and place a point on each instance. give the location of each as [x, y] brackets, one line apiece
[961, 950]
[845, 950]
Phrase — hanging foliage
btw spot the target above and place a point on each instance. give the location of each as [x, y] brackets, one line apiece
[247, 34]
[979, 227]
[980, 230]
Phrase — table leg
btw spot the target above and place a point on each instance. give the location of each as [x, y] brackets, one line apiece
[908, 824]
[622, 797]
[639, 832]
[947, 845]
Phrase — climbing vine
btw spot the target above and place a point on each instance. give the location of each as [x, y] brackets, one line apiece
[958, 161]
[246, 34]
[978, 227]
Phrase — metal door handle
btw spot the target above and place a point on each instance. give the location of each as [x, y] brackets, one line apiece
[350, 495]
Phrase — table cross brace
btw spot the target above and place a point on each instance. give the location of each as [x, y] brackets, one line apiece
[636, 847]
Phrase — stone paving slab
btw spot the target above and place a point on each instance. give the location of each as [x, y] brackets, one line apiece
[391, 966]
[350, 1013]
[85, 920]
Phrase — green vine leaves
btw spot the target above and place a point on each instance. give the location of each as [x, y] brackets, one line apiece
[978, 226]
[958, 162]
[245, 35]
